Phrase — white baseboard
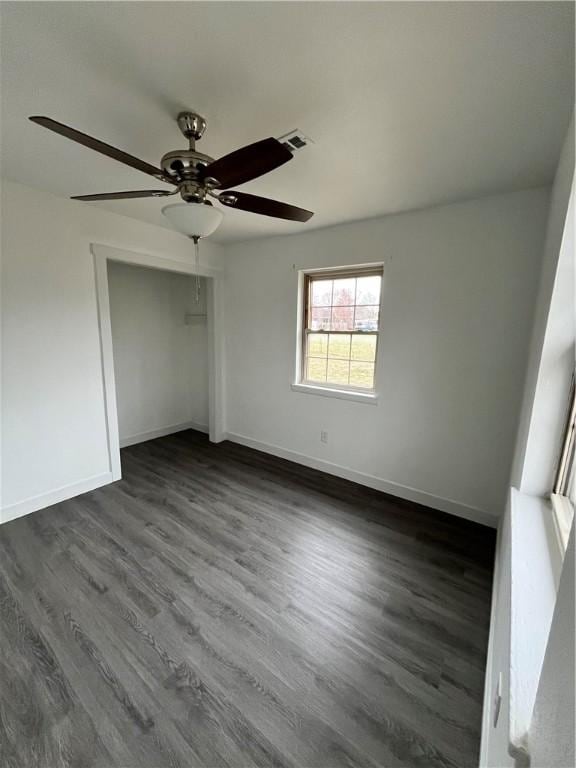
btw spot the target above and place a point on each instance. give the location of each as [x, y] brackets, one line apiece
[142, 437]
[371, 481]
[34, 503]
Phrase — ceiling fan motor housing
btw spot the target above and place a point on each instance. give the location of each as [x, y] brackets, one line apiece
[184, 164]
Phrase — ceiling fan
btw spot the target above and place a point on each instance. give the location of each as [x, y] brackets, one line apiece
[195, 175]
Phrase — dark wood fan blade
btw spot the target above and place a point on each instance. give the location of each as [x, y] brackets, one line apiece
[247, 163]
[100, 146]
[125, 195]
[264, 206]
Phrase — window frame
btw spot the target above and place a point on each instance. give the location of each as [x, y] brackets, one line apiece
[307, 277]
[564, 478]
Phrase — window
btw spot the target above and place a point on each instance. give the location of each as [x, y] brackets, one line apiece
[340, 328]
[564, 491]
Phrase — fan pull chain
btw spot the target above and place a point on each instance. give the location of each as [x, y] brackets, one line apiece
[197, 268]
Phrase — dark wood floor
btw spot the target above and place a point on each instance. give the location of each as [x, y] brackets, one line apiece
[220, 607]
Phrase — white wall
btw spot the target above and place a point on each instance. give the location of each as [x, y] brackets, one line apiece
[525, 582]
[551, 357]
[525, 557]
[496, 738]
[160, 359]
[552, 730]
[458, 291]
[459, 288]
[53, 431]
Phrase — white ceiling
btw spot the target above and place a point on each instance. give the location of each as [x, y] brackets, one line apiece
[410, 104]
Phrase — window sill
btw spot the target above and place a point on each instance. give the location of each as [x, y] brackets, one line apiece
[369, 398]
[535, 564]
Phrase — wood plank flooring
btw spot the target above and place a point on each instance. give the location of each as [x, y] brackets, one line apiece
[221, 607]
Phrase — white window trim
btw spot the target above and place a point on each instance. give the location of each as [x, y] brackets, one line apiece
[563, 515]
[563, 492]
[369, 396]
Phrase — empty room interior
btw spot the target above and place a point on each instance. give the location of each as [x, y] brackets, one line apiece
[288, 459]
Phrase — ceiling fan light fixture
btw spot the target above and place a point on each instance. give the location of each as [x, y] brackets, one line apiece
[193, 219]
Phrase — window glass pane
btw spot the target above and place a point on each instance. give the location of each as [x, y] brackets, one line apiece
[362, 375]
[321, 294]
[344, 291]
[339, 345]
[317, 345]
[337, 372]
[341, 336]
[342, 319]
[320, 318]
[368, 290]
[316, 369]
[363, 348]
[366, 319]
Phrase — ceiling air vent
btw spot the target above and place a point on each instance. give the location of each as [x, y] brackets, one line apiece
[295, 140]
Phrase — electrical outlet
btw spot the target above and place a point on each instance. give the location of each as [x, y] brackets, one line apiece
[323, 437]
